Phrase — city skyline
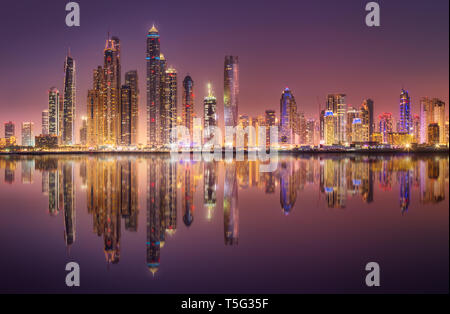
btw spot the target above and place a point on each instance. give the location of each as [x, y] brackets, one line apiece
[431, 81]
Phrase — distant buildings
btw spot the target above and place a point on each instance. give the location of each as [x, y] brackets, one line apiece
[385, 126]
[270, 122]
[366, 115]
[10, 130]
[27, 134]
[336, 104]
[288, 117]
[54, 112]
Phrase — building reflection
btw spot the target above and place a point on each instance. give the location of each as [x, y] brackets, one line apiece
[210, 180]
[230, 205]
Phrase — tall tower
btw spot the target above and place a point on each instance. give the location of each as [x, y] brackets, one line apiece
[188, 104]
[288, 112]
[95, 113]
[45, 122]
[69, 102]
[210, 114]
[153, 86]
[53, 112]
[111, 92]
[231, 90]
[366, 112]
[170, 94]
[27, 134]
[131, 80]
[9, 130]
[336, 104]
[129, 109]
[405, 112]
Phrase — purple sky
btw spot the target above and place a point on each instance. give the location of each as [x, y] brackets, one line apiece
[314, 47]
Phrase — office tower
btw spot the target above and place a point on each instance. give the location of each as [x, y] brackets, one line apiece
[310, 132]
[231, 90]
[405, 113]
[432, 111]
[68, 115]
[129, 109]
[53, 112]
[299, 129]
[385, 126]
[10, 130]
[329, 128]
[27, 134]
[336, 104]
[415, 127]
[153, 87]
[170, 104]
[366, 115]
[95, 113]
[209, 115]
[270, 121]
[358, 135]
[439, 118]
[352, 114]
[188, 104]
[111, 92]
[288, 113]
[433, 134]
[322, 126]
[45, 126]
[83, 131]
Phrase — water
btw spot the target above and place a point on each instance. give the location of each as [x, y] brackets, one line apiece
[144, 223]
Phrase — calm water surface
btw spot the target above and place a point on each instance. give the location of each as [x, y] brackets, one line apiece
[146, 223]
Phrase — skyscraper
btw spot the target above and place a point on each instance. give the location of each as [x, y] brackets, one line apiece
[111, 92]
[171, 104]
[366, 114]
[69, 102]
[336, 104]
[27, 134]
[329, 128]
[45, 126]
[53, 112]
[83, 131]
[432, 111]
[405, 113]
[9, 130]
[129, 109]
[153, 86]
[288, 113]
[231, 90]
[95, 113]
[385, 126]
[270, 121]
[439, 118]
[188, 104]
[210, 115]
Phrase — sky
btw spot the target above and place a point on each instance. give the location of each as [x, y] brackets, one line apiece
[314, 47]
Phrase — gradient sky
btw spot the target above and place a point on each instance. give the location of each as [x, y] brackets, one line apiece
[314, 46]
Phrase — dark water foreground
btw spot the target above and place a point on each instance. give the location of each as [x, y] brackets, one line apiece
[145, 223]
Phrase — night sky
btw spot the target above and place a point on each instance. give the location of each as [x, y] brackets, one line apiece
[314, 46]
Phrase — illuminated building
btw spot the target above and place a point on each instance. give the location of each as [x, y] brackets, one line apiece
[230, 205]
[416, 128]
[439, 118]
[27, 134]
[336, 104]
[399, 139]
[366, 115]
[7, 142]
[95, 114]
[111, 92]
[10, 130]
[433, 134]
[385, 126]
[53, 112]
[231, 90]
[288, 113]
[68, 114]
[329, 132]
[426, 118]
[357, 131]
[45, 129]
[244, 123]
[311, 134]
[269, 122]
[447, 132]
[209, 115]
[129, 97]
[300, 129]
[259, 122]
[171, 104]
[46, 141]
[153, 87]
[188, 104]
[352, 114]
[405, 113]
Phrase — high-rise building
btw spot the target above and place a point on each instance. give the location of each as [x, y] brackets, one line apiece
[352, 114]
[357, 131]
[170, 104]
[231, 90]
[53, 112]
[27, 134]
[153, 87]
[366, 115]
[83, 131]
[288, 117]
[270, 121]
[69, 102]
[45, 126]
[111, 92]
[405, 113]
[10, 130]
[432, 111]
[209, 115]
[125, 125]
[439, 118]
[329, 128]
[415, 127]
[95, 113]
[385, 126]
[433, 134]
[188, 104]
[129, 109]
[336, 104]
